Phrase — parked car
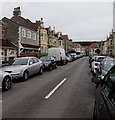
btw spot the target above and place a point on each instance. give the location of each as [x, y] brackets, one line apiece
[96, 63]
[73, 56]
[91, 58]
[59, 54]
[49, 62]
[24, 67]
[69, 58]
[104, 107]
[105, 66]
[5, 80]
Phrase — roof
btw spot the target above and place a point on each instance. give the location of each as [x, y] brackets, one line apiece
[30, 46]
[94, 45]
[25, 23]
[64, 36]
[6, 43]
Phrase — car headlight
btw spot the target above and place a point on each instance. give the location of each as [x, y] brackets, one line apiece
[16, 71]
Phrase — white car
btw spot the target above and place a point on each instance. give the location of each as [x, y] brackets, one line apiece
[96, 63]
[5, 80]
[24, 67]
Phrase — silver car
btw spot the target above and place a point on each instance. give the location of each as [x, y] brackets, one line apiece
[96, 63]
[5, 80]
[24, 67]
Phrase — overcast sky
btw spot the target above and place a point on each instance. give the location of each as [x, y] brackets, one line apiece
[81, 21]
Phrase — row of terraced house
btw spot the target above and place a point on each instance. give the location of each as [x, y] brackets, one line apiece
[22, 36]
[19, 36]
[107, 46]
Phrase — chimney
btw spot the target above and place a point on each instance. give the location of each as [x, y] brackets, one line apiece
[41, 20]
[17, 11]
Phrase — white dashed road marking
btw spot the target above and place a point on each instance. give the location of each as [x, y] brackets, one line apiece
[55, 88]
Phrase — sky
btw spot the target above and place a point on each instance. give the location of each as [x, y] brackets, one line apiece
[82, 21]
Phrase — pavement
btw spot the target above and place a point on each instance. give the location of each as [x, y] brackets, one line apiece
[65, 92]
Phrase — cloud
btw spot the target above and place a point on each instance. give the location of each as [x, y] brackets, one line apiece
[80, 20]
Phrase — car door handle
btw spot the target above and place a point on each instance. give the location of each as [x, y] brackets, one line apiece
[101, 105]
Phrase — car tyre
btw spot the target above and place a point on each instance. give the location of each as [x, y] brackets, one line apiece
[41, 71]
[50, 68]
[6, 85]
[25, 76]
[56, 66]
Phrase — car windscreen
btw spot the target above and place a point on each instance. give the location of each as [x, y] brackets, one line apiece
[99, 59]
[20, 62]
[108, 65]
[45, 58]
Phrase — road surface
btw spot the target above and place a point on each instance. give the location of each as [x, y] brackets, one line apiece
[66, 92]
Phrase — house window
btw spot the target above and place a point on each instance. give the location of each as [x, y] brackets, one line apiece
[11, 52]
[60, 42]
[54, 42]
[29, 34]
[2, 53]
[23, 33]
[42, 36]
[34, 36]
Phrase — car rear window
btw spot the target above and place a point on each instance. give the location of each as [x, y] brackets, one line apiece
[99, 59]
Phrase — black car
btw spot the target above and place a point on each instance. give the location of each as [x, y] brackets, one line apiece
[49, 62]
[104, 107]
[105, 66]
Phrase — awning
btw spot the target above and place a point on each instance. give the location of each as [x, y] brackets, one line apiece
[28, 46]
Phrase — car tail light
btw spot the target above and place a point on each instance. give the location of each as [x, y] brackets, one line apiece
[96, 64]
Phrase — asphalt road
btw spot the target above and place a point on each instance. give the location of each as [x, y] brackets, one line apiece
[66, 92]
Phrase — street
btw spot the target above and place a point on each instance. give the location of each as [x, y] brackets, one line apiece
[65, 92]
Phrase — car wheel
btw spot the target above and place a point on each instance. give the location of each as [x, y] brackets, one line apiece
[50, 68]
[41, 71]
[25, 76]
[6, 85]
[56, 66]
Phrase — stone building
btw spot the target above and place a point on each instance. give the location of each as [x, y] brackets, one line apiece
[114, 44]
[93, 47]
[8, 51]
[65, 41]
[25, 35]
[43, 36]
[103, 47]
[110, 45]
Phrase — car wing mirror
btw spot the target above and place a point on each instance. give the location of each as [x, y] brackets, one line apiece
[96, 80]
[30, 63]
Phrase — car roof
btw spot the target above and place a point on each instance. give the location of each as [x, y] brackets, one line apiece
[46, 56]
[100, 56]
[25, 57]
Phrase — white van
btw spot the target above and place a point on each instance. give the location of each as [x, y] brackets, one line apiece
[59, 54]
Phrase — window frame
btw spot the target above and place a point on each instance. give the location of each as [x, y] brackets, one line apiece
[23, 32]
[29, 35]
[34, 36]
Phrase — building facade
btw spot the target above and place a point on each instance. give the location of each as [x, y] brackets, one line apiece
[22, 33]
[8, 51]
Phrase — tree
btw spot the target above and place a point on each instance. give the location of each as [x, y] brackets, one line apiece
[97, 51]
